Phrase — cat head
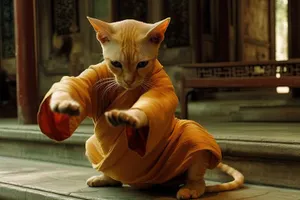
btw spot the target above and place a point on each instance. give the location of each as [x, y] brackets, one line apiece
[130, 48]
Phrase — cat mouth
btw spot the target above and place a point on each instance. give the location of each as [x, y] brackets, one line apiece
[130, 87]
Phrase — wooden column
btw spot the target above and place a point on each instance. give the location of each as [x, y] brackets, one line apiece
[272, 33]
[222, 45]
[294, 32]
[155, 10]
[27, 90]
[196, 30]
[240, 30]
[294, 28]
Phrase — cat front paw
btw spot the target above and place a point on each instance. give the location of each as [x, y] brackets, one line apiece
[123, 117]
[62, 102]
[69, 107]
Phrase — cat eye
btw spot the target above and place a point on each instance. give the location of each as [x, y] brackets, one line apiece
[142, 64]
[116, 64]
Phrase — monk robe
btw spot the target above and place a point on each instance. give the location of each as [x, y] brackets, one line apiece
[150, 155]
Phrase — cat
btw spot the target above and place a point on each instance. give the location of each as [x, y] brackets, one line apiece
[137, 141]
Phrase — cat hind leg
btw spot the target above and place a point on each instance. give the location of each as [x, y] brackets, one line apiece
[94, 156]
[195, 184]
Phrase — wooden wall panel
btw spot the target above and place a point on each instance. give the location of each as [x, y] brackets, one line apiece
[256, 30]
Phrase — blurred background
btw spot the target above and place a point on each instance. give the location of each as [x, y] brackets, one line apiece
[201, 31]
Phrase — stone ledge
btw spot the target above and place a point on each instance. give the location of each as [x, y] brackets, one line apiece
[32, 144]
[232, 144]
[278, 151]
[278, 113]
[35, 135]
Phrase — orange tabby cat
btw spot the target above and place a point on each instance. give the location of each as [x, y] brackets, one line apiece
[137, 140]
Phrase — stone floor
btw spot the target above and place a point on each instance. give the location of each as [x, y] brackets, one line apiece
[25, 179]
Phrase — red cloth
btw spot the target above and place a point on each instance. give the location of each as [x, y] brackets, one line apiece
[137, 139]
[56, 126]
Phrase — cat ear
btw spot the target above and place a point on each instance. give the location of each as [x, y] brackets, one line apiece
[157, 32]
[103, 29]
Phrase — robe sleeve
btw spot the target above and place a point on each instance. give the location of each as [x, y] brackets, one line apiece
[59, 126]
[159, 104]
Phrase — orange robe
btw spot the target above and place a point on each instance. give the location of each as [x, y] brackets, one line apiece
[154, 154]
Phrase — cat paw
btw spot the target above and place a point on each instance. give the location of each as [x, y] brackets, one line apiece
[192, 190]
[69, 107]
[102, 181]
[120, 117]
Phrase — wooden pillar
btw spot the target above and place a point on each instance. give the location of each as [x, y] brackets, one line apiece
[294, 28]
[155, 10]
[27, 90]
[196, 30]
[294, 32]
[222, 45]
[240, 30]
[272, 33]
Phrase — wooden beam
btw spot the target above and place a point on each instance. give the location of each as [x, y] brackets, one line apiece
[27, 87]
[263, 82]
[242, 63]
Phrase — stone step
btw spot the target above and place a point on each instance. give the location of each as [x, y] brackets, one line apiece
[29, 143]
[31, 180]
[266, 153]
[282, 113]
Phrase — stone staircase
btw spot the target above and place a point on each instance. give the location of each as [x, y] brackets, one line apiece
[266, 153]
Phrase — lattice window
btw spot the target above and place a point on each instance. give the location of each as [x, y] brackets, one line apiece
[65, 16]
[246, 71]
[7, 28]
[132, 9]
[177, 34]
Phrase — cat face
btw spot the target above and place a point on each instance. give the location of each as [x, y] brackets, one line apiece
[130, 48]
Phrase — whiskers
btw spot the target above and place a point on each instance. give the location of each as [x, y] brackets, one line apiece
[106, 86]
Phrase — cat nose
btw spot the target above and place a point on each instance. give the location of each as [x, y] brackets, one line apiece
[129, 81]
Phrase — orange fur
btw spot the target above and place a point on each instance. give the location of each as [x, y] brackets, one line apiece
[235, 184]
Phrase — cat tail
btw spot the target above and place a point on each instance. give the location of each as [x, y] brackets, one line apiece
[235, 184]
